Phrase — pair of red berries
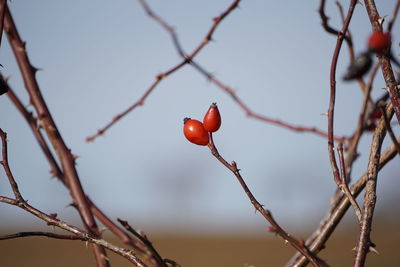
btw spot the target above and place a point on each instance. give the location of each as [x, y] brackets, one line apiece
[198, 132]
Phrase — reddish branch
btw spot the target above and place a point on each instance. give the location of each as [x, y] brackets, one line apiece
[331, 109]
[66, 158]
[56, 171]
[328, 28]
[189, 59]
[276, 228]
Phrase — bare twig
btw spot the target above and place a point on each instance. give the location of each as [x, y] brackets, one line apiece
[364, 241]
[276, 228]
[52, 220]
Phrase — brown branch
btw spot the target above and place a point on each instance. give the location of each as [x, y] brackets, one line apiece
[276, 228]
[46, 234]
[66, 158]
[189, 59]
[316, 242]
[384, 60]
[364, 241]
[56, 171]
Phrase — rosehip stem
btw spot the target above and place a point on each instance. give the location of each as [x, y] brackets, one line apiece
[266, 213]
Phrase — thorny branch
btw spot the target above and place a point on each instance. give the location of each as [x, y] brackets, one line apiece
[316, 242]
[331, 109]
[353, 142]
[189, 59]
[66, 158]
[364, 241]
[52, 220]
[266, 213]
[57, 172]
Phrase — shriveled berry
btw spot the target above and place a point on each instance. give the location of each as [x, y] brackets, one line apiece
[358, 67]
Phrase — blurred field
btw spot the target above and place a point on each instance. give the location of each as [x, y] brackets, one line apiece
[200, 251]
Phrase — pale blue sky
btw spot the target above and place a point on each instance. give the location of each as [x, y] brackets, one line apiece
[98, 57]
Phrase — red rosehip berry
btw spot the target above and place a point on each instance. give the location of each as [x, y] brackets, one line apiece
[212, 119]
[194, 132]
[379, 41]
